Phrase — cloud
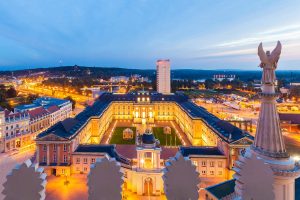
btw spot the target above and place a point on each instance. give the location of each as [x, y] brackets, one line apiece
[287, 33]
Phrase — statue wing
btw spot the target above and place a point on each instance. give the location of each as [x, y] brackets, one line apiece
[262, 55]
[276, 53]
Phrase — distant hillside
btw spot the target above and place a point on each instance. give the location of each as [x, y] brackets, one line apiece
[103, 72]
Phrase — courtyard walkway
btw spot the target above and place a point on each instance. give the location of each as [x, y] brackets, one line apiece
[141, 128]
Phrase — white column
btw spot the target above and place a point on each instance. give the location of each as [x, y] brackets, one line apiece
[284, 188]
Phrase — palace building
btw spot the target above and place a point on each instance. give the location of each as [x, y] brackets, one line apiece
[72, 145]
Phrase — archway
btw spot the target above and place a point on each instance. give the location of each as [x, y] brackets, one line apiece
[148, 186]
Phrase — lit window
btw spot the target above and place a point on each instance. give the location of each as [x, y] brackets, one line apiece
[85, 160]
[195, 163]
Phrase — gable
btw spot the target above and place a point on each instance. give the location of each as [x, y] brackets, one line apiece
[243, 141]
[52, 137]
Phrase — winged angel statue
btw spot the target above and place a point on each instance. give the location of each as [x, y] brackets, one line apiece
[269, 63]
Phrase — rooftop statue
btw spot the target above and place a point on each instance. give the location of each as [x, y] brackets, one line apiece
[269, 63]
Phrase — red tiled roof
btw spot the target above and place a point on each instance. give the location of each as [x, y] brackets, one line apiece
[37, 112]
[53, 109]
[167, 152]
[129, 151]
[9, 114]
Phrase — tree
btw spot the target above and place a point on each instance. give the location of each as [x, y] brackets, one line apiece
[11, 92]
[72, 101]
[30, 98]
[209, 84]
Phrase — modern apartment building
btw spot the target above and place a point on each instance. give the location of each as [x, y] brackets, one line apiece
[163, 76]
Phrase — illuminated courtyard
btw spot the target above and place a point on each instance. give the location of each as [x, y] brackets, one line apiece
[142, 131]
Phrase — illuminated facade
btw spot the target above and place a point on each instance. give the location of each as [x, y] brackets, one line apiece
[163, 76]
[72, 145]
[14, 130]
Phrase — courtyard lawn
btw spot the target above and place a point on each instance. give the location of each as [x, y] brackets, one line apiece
[117, 137]
[166, 139]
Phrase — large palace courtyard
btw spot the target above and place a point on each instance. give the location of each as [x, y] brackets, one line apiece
[176, 137]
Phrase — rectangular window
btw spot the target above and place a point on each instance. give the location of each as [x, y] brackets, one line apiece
[212, 173]
[212, 164]
[54, 147]
[65, 147]
[44, 147]
[77, 160]
[85, 161]
[195, 163]
[63, 171]
[203, 163]
[220, 173]
[54, 158]
[44, 159]
[220, 164]
[85, 169]
[203, 172]
[65, 159]
[93, 160]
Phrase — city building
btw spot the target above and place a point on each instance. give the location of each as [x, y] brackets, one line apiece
[221, 77]
[276, 172]
[119, 79]
[14, 130]
[163, 76]
[59, 109]
[18, 129]
[290, 122]
[72, 145]
[39, 120]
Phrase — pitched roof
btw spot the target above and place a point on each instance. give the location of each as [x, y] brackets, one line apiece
[53, 109]
[200, 151]
[223, 189]
[15, 115]
[292, 118]
[37, 112]
[224, 129]
[99, 148]
[61, 129]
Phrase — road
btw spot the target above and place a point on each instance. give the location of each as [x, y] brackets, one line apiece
[8, 162]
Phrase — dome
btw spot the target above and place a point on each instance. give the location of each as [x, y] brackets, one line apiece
[148, 138]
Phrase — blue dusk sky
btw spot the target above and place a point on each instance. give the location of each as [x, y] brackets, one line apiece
[135, 33]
